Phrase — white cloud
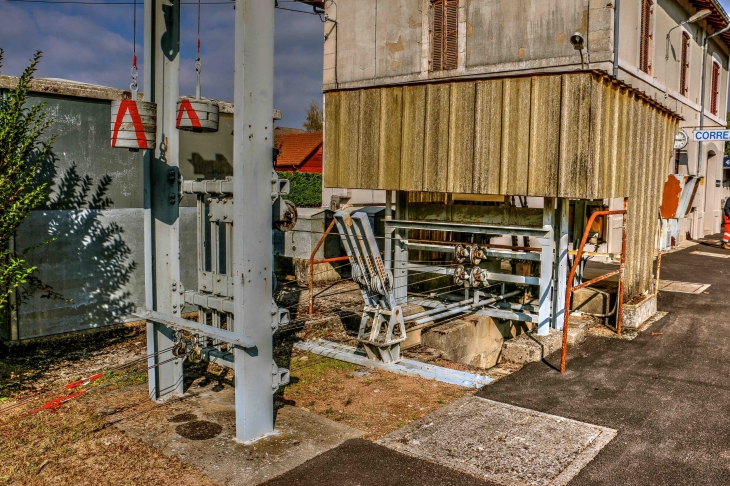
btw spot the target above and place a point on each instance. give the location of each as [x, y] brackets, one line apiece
[93, 44]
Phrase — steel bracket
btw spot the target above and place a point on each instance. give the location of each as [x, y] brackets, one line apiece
[279, 317]
[279, 377]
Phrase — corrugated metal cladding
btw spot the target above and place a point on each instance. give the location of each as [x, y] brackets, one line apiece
[580, 135]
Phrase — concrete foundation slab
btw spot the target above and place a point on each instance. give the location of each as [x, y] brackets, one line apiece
[201, 431]
[502, 443]
[634, 314]
[530, 348]
[473, 340]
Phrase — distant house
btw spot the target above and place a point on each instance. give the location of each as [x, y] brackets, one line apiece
[299, 151]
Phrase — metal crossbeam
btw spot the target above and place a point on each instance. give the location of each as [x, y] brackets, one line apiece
[197, 328]
[483, 229]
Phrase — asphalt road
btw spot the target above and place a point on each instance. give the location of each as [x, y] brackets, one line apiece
[668, 395]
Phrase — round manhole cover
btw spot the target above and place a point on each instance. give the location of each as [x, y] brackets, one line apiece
[183, 417]
[198, 430]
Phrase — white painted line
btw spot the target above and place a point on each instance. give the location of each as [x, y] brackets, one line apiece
[406, 367]
[705, 253]
[682, 287]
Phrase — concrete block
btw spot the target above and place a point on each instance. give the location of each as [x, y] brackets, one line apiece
[528, 348]
[634, 314]
[323, 273]
[474, 340]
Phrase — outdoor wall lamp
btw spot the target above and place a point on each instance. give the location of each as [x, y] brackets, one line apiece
[698, 16]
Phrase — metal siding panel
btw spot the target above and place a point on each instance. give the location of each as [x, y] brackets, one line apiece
[413, 133]
[633, 127]
[488, 137]
[597, 128]
[331, 139]
[610, 178]
[348, 167]
[544, 136]
[515, 136]
[574, 149]
[369, 139]
[391, 115]
[461, 138]
[436, 147]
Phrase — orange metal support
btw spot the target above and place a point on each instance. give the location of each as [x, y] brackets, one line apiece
[570, 288]
[312, 261]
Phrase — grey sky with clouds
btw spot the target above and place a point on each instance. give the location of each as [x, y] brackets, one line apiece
[93, 44]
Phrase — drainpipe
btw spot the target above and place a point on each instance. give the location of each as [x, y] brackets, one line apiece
[616, 14]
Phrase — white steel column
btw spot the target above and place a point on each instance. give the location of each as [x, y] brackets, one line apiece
[161, 187]
[547, 258]
[561, 262]
[252, 221]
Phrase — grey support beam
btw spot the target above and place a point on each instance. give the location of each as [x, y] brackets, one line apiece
[162, 225]
[252, 187]
[561, 261]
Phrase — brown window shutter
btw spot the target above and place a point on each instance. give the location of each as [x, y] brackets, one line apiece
[715, 87]
[437, 37]
[451, 36]
[646, 36]
[683, 85]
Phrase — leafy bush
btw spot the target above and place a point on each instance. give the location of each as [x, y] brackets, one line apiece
[306, 188]
[21, 156]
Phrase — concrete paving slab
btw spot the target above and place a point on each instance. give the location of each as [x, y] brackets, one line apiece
[502, 443]
[714, 255]
[200, 430]
[683, 287]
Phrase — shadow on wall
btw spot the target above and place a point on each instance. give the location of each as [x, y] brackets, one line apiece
[218, 168]
[88, 262]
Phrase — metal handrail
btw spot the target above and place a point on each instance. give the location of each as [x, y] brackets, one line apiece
[576, 262]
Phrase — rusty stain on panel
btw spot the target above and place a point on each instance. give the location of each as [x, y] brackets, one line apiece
[414, 117]
[461, 138]
[515, 136]
[369, 138]
[544, 136]
[488, 137]
[391, 112]
[436, 144]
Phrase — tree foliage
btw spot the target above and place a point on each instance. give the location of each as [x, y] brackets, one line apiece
[21, 155]
[306, 188]
[313, 122]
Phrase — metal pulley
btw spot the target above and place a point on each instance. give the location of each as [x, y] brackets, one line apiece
[197, 114]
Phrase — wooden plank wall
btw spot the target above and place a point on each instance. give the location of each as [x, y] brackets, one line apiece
[578, 135]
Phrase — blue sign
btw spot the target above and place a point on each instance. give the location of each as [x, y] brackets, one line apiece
[716, 134]
[726, 162]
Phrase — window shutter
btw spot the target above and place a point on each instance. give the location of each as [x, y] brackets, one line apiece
[451, 37]
[646, 36]
[437, 39]
[715, 87]
[683, 88]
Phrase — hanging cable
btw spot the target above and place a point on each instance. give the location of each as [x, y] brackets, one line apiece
[134, 87]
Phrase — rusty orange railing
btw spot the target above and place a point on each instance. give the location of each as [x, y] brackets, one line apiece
[570, 288]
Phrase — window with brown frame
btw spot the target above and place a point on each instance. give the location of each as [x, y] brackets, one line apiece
[444, 34]
[684, 67]
[715, 87]
[647, 11]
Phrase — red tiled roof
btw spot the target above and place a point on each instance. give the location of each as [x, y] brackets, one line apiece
[297, 149]
[718, 19]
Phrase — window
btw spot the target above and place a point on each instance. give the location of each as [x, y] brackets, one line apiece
[444, 34]
[684, 68]
[715, 87]
[647, 11]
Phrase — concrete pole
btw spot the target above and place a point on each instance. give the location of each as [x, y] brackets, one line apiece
[252, 221]
[161, 188]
